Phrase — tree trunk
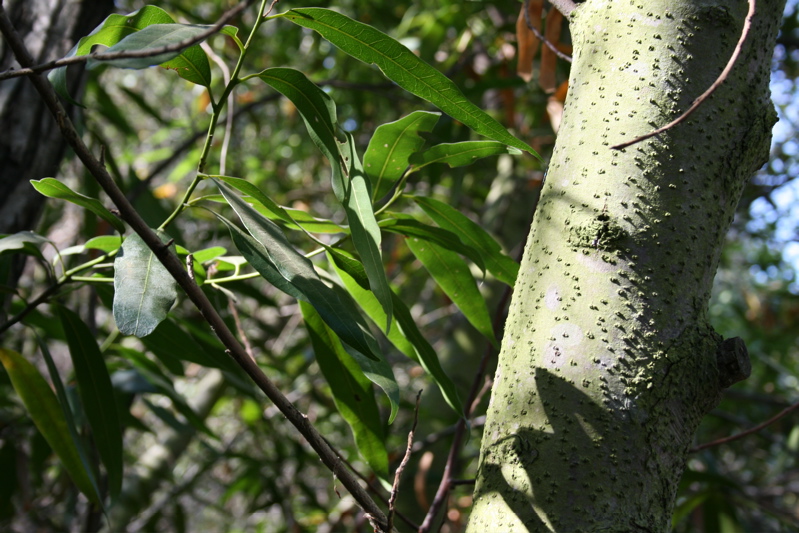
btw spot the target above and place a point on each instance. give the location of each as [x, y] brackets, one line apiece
[608, 361]
[30, 144]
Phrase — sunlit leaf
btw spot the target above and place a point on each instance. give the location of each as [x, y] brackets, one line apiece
[460, 154]
[43, 408]
[410, 227]
[298, 270]
[105, 243]
[402, 67]
[53, 188]
[453, 276]
[97, 395]
[317, 110]
[364, 229]
[190, 63]
[500, 265]
[352, 391]
[390, 148]
[144, 290]
[403, 334]
[159, 36]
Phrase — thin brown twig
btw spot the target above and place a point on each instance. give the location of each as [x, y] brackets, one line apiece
[540, 37]
[710, 90]
[176, 268]
[130, 54]
[392, 499]
[748, 432]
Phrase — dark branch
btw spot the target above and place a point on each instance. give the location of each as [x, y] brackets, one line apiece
[748, 432]
[175, 267]
[105, 56]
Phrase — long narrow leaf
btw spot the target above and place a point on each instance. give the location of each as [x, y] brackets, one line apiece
[318, 111]
[299, 272]
[144, 290]
[97, 395]
[47, 415]
[53, 188]
[391, 147]
[364, 229]
[453, 276]
[352, 391]
[500, 265]
[460, 154]
[410, 227]
[402, 67]
[403, 334]
[89, 466]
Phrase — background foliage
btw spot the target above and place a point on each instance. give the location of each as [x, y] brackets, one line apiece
[242, 467]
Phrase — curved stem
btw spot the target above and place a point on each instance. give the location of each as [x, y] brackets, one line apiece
[217, 107]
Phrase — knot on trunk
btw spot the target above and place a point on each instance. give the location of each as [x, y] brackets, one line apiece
[733, 362]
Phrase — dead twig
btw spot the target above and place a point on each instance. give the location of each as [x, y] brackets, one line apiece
[748, 432]
[392, 499]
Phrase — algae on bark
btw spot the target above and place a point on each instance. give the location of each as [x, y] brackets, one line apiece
[608, 362]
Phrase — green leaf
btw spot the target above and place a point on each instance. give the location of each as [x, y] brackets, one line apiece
[410, 227]
[47, 415]
[460, 154]
[259, 258]
[53, 188]
[317, 110]
[453, 276]
[105, 243]
[301, 220]
[403, 67]
[403, 334]
[351, 390]
[299, 272]
[96, 394]
[389, 151]
[208, 254]
[500, 265]
[160, 35]
[191, 64]
[88, 465]
[25, 242]
[113, 29]
[144, 290]
[364, 229]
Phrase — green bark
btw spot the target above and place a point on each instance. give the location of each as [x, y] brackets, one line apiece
[608, 362]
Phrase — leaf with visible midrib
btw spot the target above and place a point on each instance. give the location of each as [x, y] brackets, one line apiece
[403, 67]
[391, 147]
[144, 290]
[52, 188]
[500, 265]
